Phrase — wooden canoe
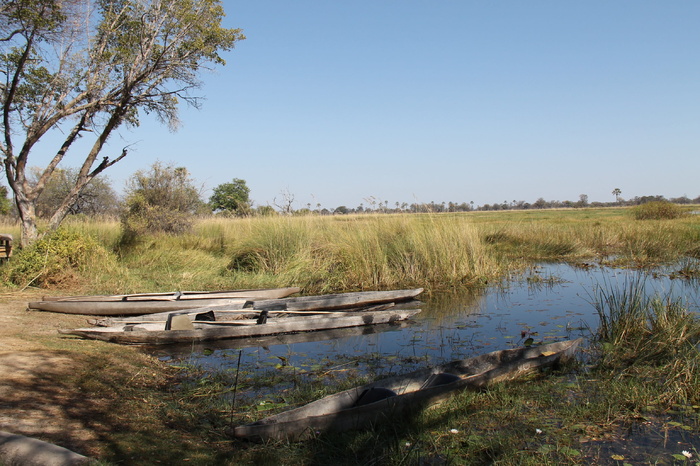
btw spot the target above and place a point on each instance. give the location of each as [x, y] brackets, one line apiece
[148, 303]
[337, 301]
[263, 293]
[131, 308]
[226, 312]
[154, 333]
[400, 395]
[188, 348]
[341, 301]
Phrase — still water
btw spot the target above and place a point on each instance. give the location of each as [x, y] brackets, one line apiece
[549, 302]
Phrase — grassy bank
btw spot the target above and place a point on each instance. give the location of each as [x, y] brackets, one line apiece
[366, 252]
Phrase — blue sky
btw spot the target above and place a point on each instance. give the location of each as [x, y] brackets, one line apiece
[419, 101]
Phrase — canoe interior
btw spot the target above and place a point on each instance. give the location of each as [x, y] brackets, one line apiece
[225, 313]
[346, 410]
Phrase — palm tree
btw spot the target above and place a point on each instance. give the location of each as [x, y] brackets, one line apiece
[616, 192]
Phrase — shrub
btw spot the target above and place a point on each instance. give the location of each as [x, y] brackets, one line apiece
[56, 259]
[163, 199]
[657, 210]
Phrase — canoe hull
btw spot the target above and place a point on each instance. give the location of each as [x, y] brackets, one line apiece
[339, 412]
[338, 301]
[131, 308]
[263, 293]
[218, 332]
[151, 303]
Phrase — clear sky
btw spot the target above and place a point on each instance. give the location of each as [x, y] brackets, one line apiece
[446, 100]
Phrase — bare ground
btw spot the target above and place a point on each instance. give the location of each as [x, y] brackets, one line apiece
[40, 371]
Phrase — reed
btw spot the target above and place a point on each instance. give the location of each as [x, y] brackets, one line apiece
[570, 235]
[651, 340]
[356, 252]
[364, 252]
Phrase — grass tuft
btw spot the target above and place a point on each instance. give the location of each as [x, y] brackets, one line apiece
[650, 339]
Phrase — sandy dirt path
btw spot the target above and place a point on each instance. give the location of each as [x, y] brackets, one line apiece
[36, 365]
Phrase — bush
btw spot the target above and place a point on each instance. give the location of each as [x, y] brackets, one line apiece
[56, 259]
[657, 210]
[163, 199]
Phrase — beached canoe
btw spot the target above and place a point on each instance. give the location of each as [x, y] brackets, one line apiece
[402, 395]
[330, 302]
[185, 330]
[148, 303]
[263, 293]
[337, 301]
[226, 313]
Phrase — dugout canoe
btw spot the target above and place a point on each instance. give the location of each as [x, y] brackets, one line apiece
[149, 303]
[330, 302]
[263, 293]
[226, 313]
[187, 349]
[403, 395]
[337, 301]
[154, 333]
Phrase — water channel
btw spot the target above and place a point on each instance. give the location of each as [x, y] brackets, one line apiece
[548, 302]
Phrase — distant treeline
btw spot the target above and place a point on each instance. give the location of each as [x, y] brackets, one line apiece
[541, 203]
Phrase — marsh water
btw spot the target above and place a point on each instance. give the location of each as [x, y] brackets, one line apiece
[547, 302]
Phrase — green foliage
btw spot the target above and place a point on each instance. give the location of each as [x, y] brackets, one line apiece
[55, 260]
[97, 198]
[162, 199]
[5, 203]
[232, 197]
[657, 210]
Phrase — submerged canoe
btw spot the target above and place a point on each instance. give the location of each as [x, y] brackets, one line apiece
[148, 303]
[154, 333]
[395, 396]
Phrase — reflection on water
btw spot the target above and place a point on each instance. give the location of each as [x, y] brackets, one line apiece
[550, 302]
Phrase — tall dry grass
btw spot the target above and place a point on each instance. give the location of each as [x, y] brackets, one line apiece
[649, 339]
[357, 252]
[612, 235]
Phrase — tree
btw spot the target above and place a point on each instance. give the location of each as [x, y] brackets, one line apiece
[73, 68]
[616, 192]
[582, 200]
[232, 197]
[96, 198]
[286, 204]
[5, 205]
[163, 199]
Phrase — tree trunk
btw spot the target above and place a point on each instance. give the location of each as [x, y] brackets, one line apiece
[27, 215]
